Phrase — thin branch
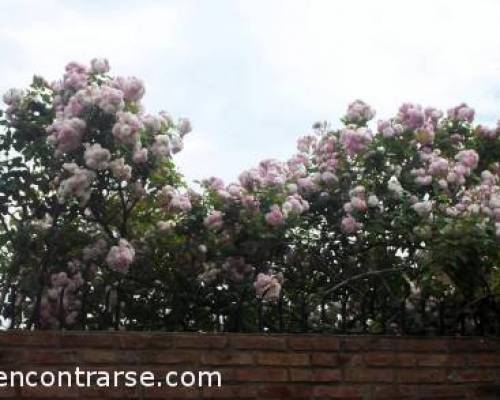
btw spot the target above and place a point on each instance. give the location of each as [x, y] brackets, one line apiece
[123, 229]
[359, 276]
[5, 226]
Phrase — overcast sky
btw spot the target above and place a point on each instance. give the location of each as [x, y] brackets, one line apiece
[254, 75]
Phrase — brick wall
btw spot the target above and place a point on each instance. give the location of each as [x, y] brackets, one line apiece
[265, 366]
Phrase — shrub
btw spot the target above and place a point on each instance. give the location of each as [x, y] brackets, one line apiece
[393, 230]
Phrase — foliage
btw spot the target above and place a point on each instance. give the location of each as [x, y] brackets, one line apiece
[394, 231]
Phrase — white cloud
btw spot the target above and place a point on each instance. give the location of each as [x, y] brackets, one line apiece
[202, 156]
[41, 37]
[253, 75]
[328, 53]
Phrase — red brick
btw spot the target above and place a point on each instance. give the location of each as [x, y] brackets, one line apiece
[326, 375]
[391, 392]
[430, 360]
[228, 374]
[110, 393]
[486, 391]
[380, 359]
[108, 368]
[9, 393]
[324, 359]
[431, 345]
[468, 345]
[49, 357]
[429, 392]
[277, 358]
[144, 341]
[229, 392]
[170, 357]
[428, 375]
[315, 375]
[256, 342]
[341, 391]
[260, 375]
[484, 360]
[89, 339]
[171, 393]
[40, 392]
[457, 360]
[105, 356]
[406, 359]
[288, 391]
[227, 358]
[368, 343]
[325, 343]
[29, 339]
[200, 341]
[433, 360]
[474, 375]
[369, 375]
[351, 360]
[10, 356]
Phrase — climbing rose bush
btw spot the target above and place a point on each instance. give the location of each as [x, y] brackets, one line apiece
[390, 226]
[91, 160]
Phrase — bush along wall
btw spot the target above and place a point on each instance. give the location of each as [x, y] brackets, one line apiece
[390, 227]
